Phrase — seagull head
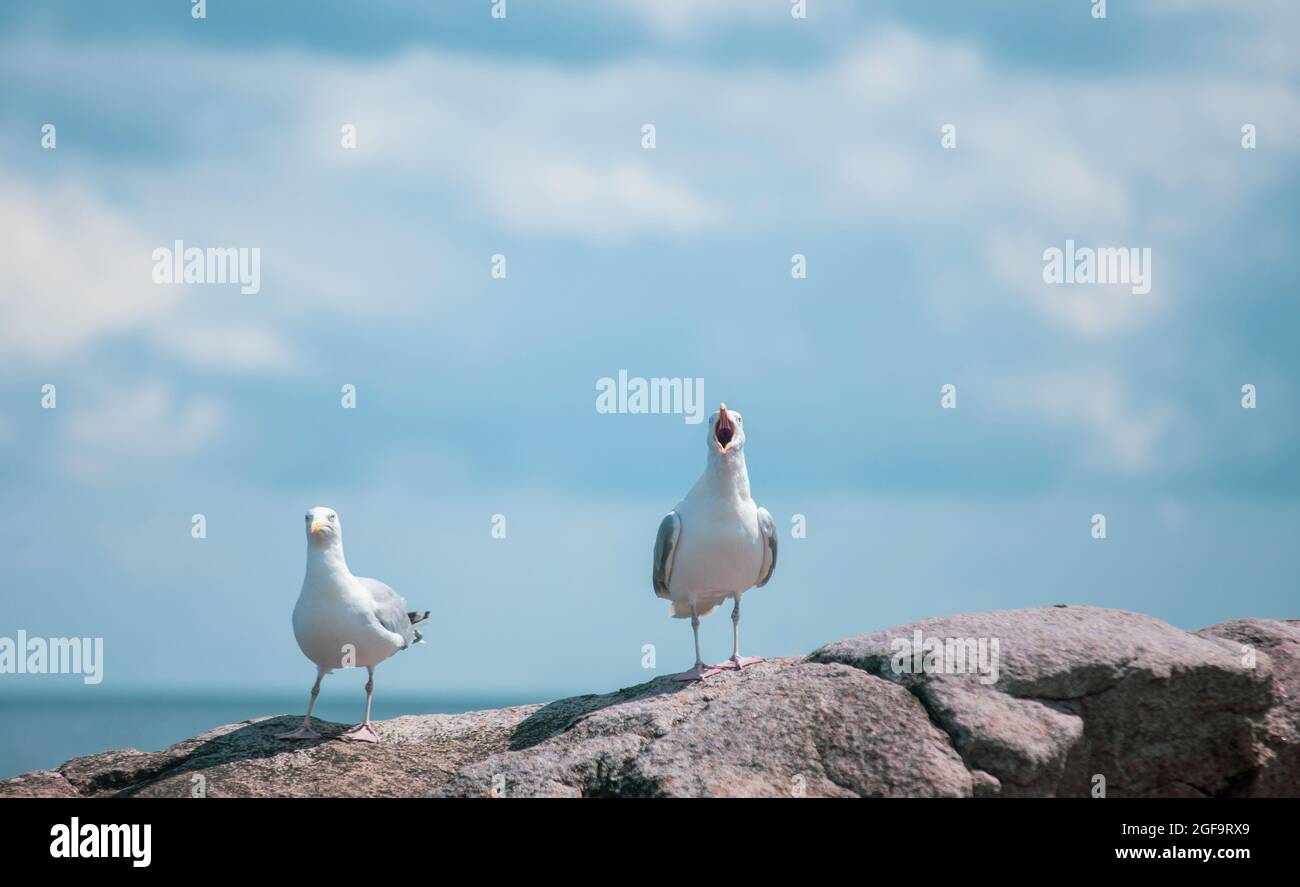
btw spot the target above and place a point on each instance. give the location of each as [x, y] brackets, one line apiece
[323, 527]
[726, 432]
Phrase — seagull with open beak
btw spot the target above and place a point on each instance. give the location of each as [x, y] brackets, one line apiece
[716, 544]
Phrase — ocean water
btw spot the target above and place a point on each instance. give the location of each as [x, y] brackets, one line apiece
[42, 733]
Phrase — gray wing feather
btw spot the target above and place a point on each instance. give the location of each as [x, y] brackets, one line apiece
[670, 529]
[390, 610]
[767, 527]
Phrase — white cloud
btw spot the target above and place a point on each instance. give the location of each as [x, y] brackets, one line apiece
[545, 149]
[74, 270]
[856, 139]
[232, 345]
[600, 204]
[1120, 437]
[78, 271]
[134, 425]
[1038, 160]
[1088, 309]
[682, 19]
[537, 148]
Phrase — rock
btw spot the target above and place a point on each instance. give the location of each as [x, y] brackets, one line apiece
[417, 755]
[1085, 692]
[1278, 772]
[1078, 692]
[780, 728]
[38, 784]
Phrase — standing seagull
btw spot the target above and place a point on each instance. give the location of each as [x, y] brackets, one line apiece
[716, 544]
[342, 621]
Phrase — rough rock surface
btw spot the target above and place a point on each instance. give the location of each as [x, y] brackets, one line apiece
[418, 754]
[1278, 736]
[1085, 692]
[1080, 692]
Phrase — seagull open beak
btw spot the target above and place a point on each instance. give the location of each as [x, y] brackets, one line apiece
[317, 525]
[725, 431]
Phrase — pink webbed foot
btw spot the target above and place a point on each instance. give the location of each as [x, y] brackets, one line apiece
[360, 733]
[303, 732]
[698, 673]
[736, 663]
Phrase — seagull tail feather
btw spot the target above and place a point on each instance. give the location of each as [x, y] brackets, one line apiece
[416, 619]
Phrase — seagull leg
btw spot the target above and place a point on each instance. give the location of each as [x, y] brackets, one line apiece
[363, 732]
[737, 661]
[700, 671]
[305, 731]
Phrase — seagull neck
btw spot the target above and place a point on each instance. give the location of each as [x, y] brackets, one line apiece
[326, 563]
[728, 475]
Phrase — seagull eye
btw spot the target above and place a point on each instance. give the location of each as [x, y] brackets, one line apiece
[333, 516]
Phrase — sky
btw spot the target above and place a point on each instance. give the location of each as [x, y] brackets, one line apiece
[522, 137]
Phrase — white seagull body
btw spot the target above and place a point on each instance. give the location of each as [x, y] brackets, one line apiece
[342, 621]
[720, 548]
[337, 609]
[717, 543]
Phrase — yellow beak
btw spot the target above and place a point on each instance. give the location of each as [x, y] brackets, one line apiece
[316, 525]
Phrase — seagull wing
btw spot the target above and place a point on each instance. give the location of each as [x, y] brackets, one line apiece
[670, 529]
[390, 610]
[767, 528]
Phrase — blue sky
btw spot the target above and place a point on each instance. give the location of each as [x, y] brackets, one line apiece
[476, 396]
